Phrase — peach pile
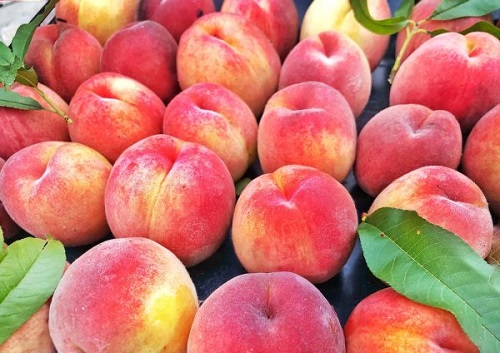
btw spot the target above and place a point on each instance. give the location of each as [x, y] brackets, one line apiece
[204, 134]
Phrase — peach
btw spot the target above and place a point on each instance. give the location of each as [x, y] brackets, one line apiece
[422, 11]
[177, 193]
[327, 15]
[99, 18]
[266, 313]
[111, 111]
[7, 225]
[452, 72]
[175, 15]
[57, 188]
[146, 52]
[22, 128]
[296, 219]
[308, 123]
[402, 138]
[335, 59]
[446, 198]
[63, 56]
[217, 118]
[278, 19]
[388, 322]
[481, 157]
[229, 50]
[123, 295]
[33, 336]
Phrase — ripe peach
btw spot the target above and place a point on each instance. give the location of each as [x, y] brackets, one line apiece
[8, 226]
[402, 138]
[296, 219]
[123, 295]
[388, 322]
[177, 193]
[446, 198]
[33, 336]
[101, 19]
[308, 123]
[423, 10]
[229, 50]
[452, 72]
[63, 56]
[110, 112]
[217, 118]
[481, 157]
[266, 313]
[278, 19]
[175, 15]
[22, 128]
[327, 15]
[57, 188]
[146, 52]
[335, 59]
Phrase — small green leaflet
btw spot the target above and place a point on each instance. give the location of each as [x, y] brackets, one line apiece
[11, 99]
[435, 267]
[24, 33]
[387, 26]
[6, 55]
[451, 9]
[29, 274]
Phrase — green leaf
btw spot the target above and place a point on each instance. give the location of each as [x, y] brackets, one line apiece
[241, 185]
[435, 267]
[11, 99]
[405, 8]
[481, 26]
[8, 73]
[29, 274]
[386, 27]
[451, 9]
[6, 55]
[24, 33]
[27, 77]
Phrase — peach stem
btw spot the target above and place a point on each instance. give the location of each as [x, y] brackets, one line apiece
[54, 107]
[412, 29]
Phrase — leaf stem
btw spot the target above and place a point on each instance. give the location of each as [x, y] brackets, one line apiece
[54, 107]
[411, 30]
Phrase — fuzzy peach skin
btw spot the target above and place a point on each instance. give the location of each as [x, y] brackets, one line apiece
[217, 118]
[63, 56]
[296, 219]
[175, 15]
[22, 128]
[146, 52]
[388, 322]
[481, 157]
[111, 111]
[308, 123]
[327, 15]
[423, 10]
[177, 193]
[99, 18]
[8, 226]
[335, 59]
[402, 138]
[33, 336]
[446, 198]
[278, 19]
[229, 50]
[452, 72]
[57, 188]
[266, 313]
[123, 295]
